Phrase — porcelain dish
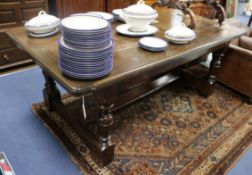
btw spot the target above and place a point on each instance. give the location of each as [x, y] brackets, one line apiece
[117, 13]
[153, 44]
[124, 29]
[43, 23]
[139, 16]
[180, 34]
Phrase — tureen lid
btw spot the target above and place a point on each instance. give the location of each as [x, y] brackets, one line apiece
[140, 8]
[181, 31]
[43, 19]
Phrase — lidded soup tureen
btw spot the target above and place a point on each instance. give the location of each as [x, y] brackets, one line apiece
[180, 34]
[139, 16]
[43, 23]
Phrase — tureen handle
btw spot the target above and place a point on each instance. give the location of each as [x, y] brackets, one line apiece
[42, 12]
[141, 2]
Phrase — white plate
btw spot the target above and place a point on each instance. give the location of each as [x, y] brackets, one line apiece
[124, 30]
[85, 23]
[43, 35]
[153, 44]
[104, 15]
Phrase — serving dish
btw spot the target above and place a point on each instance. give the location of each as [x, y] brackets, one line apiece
[139, 16]
[124, 29]
[42, 24]
[117, 13]
[180, 34]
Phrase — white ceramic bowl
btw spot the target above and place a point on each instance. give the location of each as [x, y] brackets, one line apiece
[138, 23]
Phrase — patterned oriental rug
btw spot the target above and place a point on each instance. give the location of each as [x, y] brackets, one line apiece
[175, 131]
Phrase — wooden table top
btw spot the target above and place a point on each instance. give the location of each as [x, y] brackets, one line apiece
[129, 59]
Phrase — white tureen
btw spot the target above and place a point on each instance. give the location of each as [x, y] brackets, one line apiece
[180, 34]
[139, 16]
[43, 23]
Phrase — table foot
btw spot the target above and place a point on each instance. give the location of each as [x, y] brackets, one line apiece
[50, 92]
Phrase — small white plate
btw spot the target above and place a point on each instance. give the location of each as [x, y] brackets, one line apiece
[104, 15]
[153, 44]
[43, 35]
[124, 30]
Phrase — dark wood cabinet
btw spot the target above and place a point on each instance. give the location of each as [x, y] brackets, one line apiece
[16, 12]
[10, 54]
[67, 7]
[63, 8]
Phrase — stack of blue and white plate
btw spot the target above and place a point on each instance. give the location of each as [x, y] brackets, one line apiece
[86, 48]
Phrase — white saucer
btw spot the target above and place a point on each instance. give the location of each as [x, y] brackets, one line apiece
[43, 35]
[153, 44]
[124, 30]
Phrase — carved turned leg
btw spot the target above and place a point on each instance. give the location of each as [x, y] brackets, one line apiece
[104, 123]
[215, 65]
[50, 92]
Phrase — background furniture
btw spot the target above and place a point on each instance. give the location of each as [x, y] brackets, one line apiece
[10, 54]
[15, 13]
[236, 70]
[62, 8]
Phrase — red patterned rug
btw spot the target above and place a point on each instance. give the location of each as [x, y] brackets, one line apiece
[172, 132]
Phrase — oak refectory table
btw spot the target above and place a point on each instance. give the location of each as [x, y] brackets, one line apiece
[136, 73]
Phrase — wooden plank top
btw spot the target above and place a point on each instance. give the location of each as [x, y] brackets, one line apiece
[129, 59]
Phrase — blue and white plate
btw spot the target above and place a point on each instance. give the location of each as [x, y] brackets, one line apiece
[86, 47]
[84, 23]
[153, 44]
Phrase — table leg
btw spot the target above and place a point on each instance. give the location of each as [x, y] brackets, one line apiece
[99, 144]
[104, 124]
[50, 92]
[215, 65]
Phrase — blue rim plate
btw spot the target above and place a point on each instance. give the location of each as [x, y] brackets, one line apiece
[85, 23]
